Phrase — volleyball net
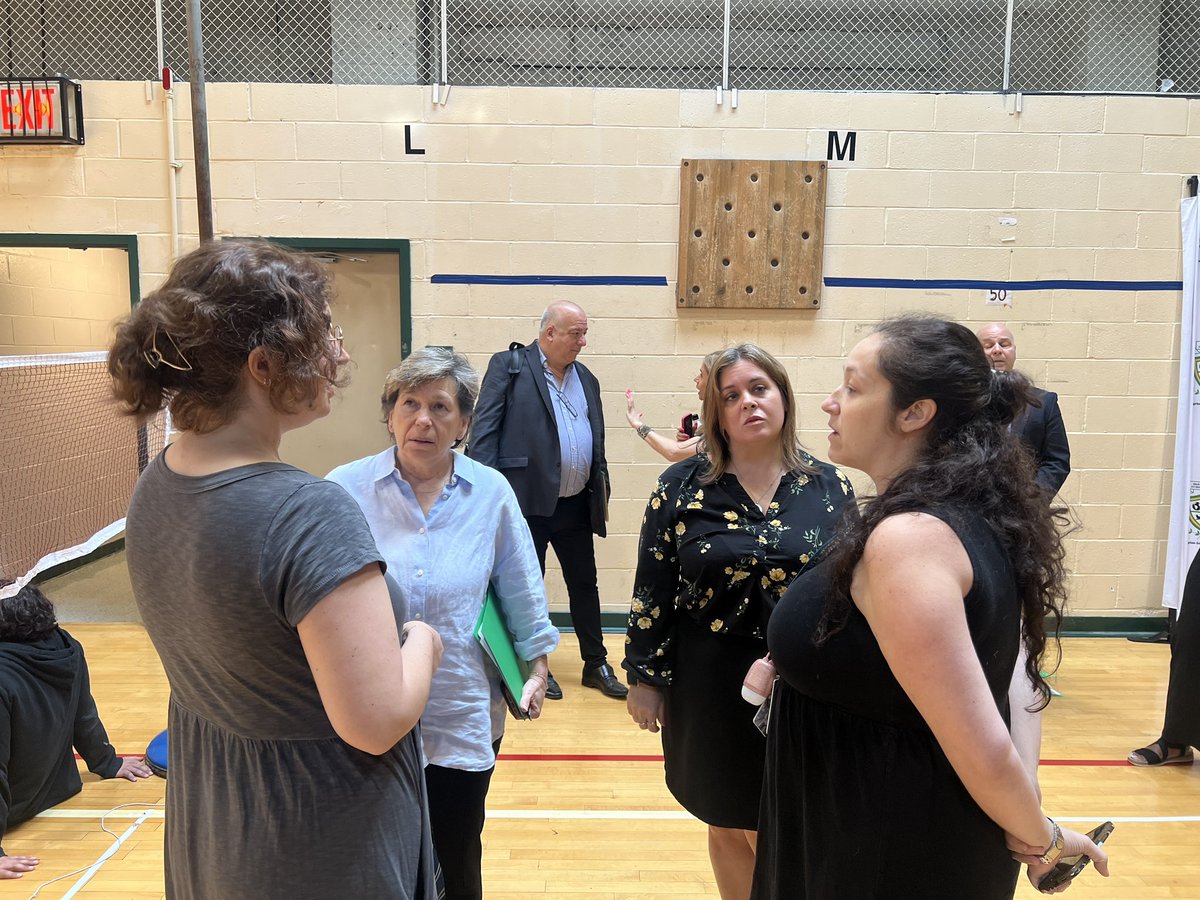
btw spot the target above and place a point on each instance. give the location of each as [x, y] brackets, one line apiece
[68, 461]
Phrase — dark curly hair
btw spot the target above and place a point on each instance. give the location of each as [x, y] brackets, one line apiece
[969, 461]
[185, 345]
[26, 616]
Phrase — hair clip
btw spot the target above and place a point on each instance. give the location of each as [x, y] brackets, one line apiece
[155, 358]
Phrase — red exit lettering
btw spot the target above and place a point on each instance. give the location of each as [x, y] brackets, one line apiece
[28, 109]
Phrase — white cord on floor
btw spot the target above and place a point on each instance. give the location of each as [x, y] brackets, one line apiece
[118, 840]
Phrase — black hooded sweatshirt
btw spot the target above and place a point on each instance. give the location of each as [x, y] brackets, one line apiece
[46, 708]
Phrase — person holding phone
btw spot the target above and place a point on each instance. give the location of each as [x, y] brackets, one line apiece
[723, 535]
[890, 768]
[689, 440]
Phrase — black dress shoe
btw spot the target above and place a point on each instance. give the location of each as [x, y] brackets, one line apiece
[603, 679]
[553, 691]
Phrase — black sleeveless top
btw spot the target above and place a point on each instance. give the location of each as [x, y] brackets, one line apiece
[859, 801]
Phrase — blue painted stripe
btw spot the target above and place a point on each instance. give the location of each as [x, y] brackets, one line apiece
[623, 280]
[1051, 284]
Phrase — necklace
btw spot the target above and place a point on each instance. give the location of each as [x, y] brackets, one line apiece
[765, 495]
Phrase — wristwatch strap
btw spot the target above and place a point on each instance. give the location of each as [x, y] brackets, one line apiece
[1054, 851]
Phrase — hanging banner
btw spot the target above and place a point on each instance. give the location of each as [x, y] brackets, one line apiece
[1183, 539]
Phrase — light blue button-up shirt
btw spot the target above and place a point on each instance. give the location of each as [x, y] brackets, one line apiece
[574, 429]
[474, 533]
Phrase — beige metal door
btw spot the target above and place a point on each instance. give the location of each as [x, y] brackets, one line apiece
[367, 305]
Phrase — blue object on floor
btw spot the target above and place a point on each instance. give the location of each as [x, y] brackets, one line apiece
[156, 755]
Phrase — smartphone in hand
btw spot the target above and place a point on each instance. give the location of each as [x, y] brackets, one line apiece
[1070, 866]
[688, 424]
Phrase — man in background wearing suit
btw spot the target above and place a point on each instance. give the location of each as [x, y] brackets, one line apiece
[1041, 428]
[539, 422]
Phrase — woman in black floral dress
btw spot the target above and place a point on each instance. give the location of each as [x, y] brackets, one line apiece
[723, 536]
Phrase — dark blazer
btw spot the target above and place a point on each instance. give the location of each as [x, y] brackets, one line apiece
[1043, 431]
[515, 432]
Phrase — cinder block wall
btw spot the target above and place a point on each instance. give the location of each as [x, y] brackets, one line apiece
[60, 300]
[585, 182]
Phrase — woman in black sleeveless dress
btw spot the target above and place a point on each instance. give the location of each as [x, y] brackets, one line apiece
[890, 771]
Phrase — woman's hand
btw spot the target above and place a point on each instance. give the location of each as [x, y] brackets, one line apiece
[1074, 844]
[133, 769]
[533, 697]
[646, 706]
[631, 412]
[426, 632]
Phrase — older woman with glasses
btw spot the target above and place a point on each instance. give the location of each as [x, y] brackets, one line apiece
[448, 526]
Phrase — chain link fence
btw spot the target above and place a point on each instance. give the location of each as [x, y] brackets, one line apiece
[866, 45]
[1105, 46]
[622, 43]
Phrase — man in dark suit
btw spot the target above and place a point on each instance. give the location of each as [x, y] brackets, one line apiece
[1040, 427]
[539, 422]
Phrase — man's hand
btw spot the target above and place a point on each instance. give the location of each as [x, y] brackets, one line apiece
[133, 769]
[16, 866]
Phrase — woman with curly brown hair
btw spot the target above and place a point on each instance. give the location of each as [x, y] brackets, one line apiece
[723, 535]
[295, 765]
[890, 770]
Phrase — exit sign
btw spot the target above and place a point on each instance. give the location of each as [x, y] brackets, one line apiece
[41, 111]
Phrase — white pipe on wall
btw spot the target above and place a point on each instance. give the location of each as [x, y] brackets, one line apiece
[173, 165]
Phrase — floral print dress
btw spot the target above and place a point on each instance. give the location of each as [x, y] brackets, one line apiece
[711, 567]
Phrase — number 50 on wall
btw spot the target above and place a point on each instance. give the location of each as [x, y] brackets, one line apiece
[998, 297]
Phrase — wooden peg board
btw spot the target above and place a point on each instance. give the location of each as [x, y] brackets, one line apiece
[751, 233]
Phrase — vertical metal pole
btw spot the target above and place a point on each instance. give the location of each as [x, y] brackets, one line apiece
[199, 121]
[725, 49]
[1008, 26]
[445, 42]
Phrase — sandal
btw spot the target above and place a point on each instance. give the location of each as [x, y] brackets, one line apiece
[1161, 753]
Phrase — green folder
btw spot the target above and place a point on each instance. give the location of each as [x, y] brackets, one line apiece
[496, 640]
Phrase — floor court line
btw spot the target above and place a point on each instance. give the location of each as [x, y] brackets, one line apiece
[657, 757]
[142, 816]
[575, 814]
[652, 757]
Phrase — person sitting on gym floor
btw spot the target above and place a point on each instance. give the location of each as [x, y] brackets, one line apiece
[46, 710]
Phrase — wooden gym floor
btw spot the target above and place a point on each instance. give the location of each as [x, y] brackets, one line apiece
[578, 809]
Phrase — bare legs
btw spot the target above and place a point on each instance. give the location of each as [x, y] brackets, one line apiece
[731, 851]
